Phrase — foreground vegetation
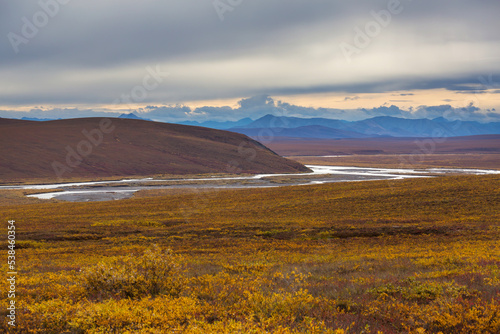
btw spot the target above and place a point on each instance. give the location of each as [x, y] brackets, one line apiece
[409, 256]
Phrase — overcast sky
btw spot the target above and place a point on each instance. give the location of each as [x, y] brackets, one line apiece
[85, 56]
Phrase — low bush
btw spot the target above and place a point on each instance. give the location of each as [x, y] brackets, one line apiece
[156, 272]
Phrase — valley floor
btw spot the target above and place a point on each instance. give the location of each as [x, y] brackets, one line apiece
[458, 152]
[415, 161]
[393, 256]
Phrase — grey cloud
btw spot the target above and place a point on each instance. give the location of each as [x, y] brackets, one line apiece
[382, 86]
[466, 113]
[386, 111]
[91, 50]
[258, 106]
[166, 113]
[256, 101]
[107, 33]
[56, 113]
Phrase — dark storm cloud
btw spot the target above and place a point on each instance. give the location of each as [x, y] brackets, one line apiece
[94, 51]
[396, 84]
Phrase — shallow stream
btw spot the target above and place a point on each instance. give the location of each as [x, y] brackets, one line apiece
[115, 190]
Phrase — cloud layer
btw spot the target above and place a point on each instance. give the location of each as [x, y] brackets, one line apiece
[261, 105]
[93, 52]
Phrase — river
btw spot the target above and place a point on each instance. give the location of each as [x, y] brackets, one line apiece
[121, 189]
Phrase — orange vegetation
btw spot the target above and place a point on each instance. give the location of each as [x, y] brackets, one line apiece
[408, 256]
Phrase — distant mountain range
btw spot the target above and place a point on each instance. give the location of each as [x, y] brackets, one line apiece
[325, 128]
[383, 126]
[220, 125]
[208, 124]
[271, 121]
[37, 119]
[132, 116]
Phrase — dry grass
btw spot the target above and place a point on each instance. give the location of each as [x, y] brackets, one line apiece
[18, 197]
[408, 256]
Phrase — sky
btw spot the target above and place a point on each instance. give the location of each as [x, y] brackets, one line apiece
[176, 60]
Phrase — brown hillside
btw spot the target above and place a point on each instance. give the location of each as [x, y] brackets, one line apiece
[368, 146]
[100, 147]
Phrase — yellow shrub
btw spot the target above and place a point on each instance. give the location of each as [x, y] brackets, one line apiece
[155, 272]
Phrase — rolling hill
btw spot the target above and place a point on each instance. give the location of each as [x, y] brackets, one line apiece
[101, 147]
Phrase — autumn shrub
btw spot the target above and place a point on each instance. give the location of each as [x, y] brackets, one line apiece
[413, 290]
[432, 266]
[163, 314]
[464, 316]
[281, 307]
[48, 316]
[155, 272]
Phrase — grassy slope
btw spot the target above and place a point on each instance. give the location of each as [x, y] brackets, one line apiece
[487, 144]
[459, 152]
[134, 147]
[390, 256]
